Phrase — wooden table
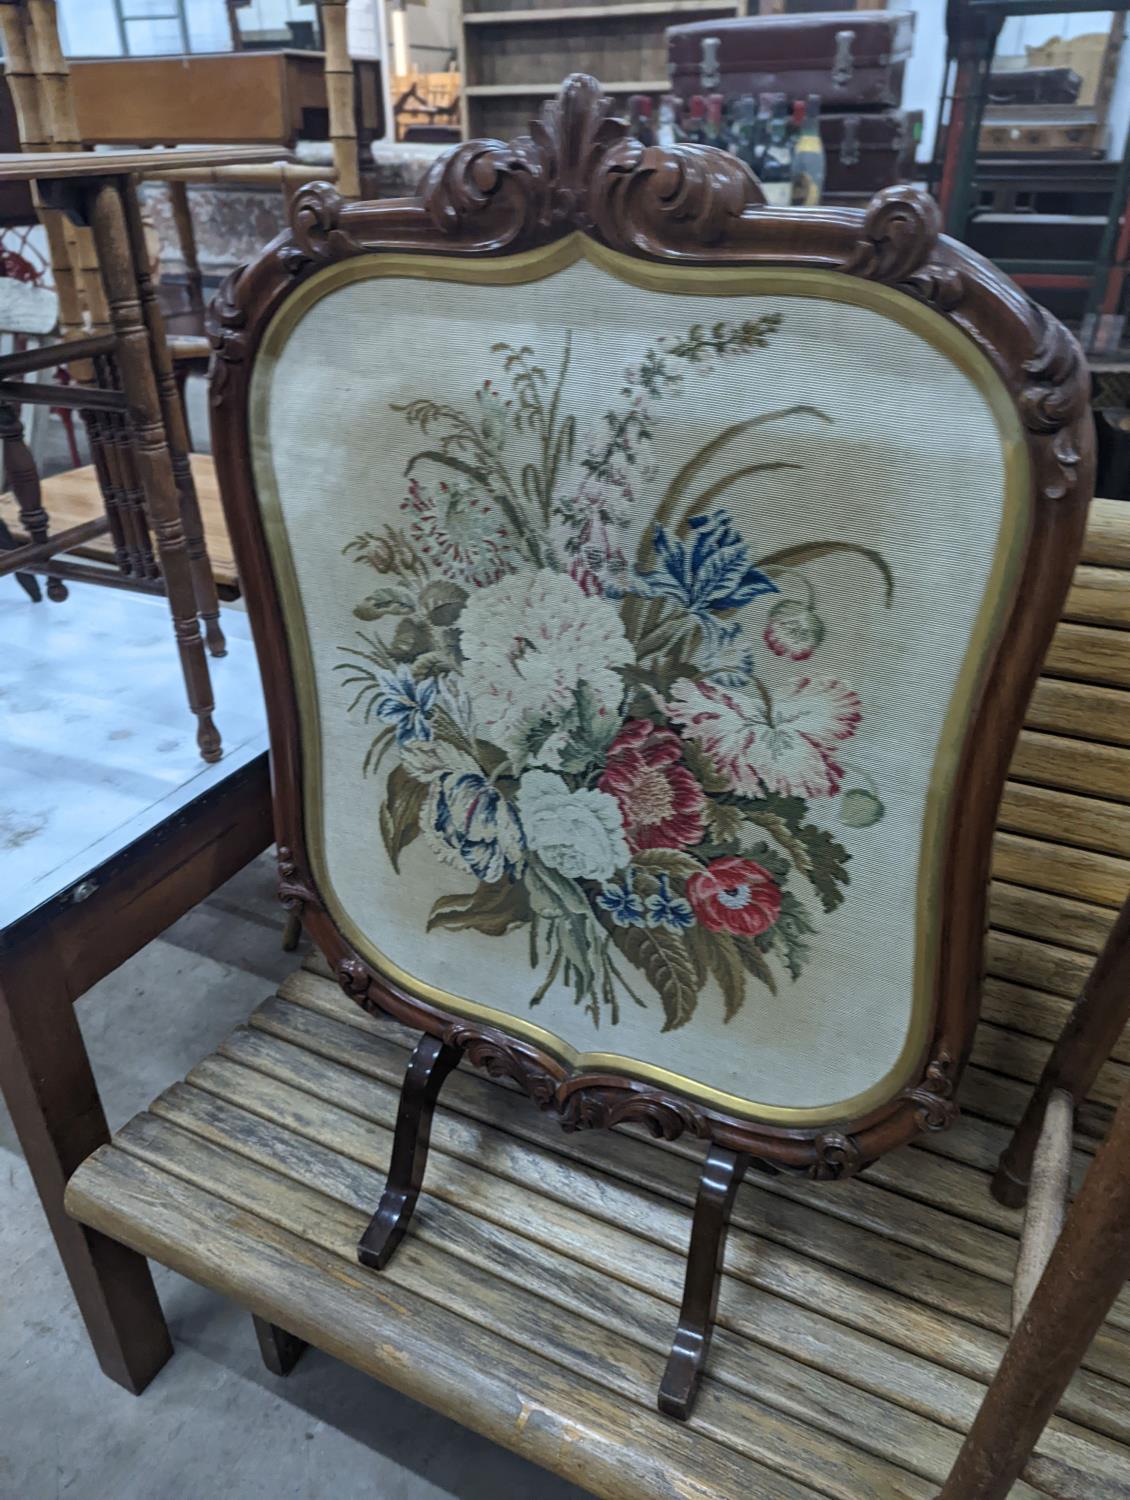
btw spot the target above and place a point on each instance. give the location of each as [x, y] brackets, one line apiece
[112, 828]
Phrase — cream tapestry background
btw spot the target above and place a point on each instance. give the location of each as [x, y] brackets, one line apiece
[874, 441]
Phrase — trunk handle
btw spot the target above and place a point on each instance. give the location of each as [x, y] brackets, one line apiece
[843, 65]
[849, 142]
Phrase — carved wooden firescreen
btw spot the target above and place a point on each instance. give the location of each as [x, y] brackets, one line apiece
[648, 585]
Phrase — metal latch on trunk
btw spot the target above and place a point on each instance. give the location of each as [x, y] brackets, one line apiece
[842, 64]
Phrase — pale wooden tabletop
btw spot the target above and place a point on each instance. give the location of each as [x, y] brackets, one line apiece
[21, 166]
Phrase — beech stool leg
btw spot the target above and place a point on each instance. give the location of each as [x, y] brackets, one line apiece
[428, 1069]
[722, 1174]
[281, 1351]
[1086, 1271]
[1095, 1024]
[149, 449]
[174, 415]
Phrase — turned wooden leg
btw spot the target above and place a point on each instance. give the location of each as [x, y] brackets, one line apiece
[150, 449]
[171, 401]
[281, 1351]
[181, 371]
[292, 932]
[1095, 1024]
[428, 1068]
[23, 477]
[27, 581]
[105, 467]
[1086, 1271]
[722, 1173]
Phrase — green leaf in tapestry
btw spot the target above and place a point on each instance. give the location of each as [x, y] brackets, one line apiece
[676, 863]
[790, 931]
[754, 962]
[385, 601]
[400, 813]
[474, 472]
[804, 552]
[667, 966]
[695, 465]
[492, 909]
[591, 734]
[792, 843]
[769, 859]
[817, 854]
[552, 894]
[726, 967]
[827, 865]
[724, 823]
[703, 769]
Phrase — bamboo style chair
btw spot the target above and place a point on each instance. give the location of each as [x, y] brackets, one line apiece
[40, 81]
[655, 434]
[157, 540]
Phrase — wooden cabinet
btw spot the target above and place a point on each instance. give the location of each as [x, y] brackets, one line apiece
[214, 97]
[515, 52]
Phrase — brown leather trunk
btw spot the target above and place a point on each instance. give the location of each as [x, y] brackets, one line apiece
[866, 152]
[850, 58]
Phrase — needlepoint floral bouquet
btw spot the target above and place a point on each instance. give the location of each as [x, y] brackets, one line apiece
[595, 703]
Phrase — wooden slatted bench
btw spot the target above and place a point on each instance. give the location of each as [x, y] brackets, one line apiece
[535, 1296]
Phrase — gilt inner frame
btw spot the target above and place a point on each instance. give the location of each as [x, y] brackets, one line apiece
[713, 281]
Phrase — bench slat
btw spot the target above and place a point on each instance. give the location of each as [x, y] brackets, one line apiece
[559, 1418]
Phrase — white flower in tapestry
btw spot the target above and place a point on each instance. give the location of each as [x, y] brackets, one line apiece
[601, 704]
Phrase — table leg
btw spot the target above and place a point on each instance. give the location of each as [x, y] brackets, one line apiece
[150, 445]
[49, 1088]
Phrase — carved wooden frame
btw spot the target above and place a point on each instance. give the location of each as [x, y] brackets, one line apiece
[578, 170]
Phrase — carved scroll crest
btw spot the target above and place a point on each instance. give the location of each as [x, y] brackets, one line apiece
[644, 195]
[544, 176]
[1053, 400]
[837, 1156]
[293, 888]
[897, 246]
[315, 219]
[935, 1106]
[661, 1115]
[353, 977]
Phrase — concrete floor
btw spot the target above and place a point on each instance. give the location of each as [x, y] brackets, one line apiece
[214, 1422]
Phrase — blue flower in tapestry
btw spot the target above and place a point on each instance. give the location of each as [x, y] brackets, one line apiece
[587, 688]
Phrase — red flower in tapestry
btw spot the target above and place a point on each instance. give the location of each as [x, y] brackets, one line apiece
[660, 801]
[735, 895]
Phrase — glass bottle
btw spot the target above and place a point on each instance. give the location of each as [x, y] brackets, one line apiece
[777, 162]
[639, 119]
[744, 136]
[715, 130]
[696, 120]
[667, 132]
[808, 158]
[761, 130]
